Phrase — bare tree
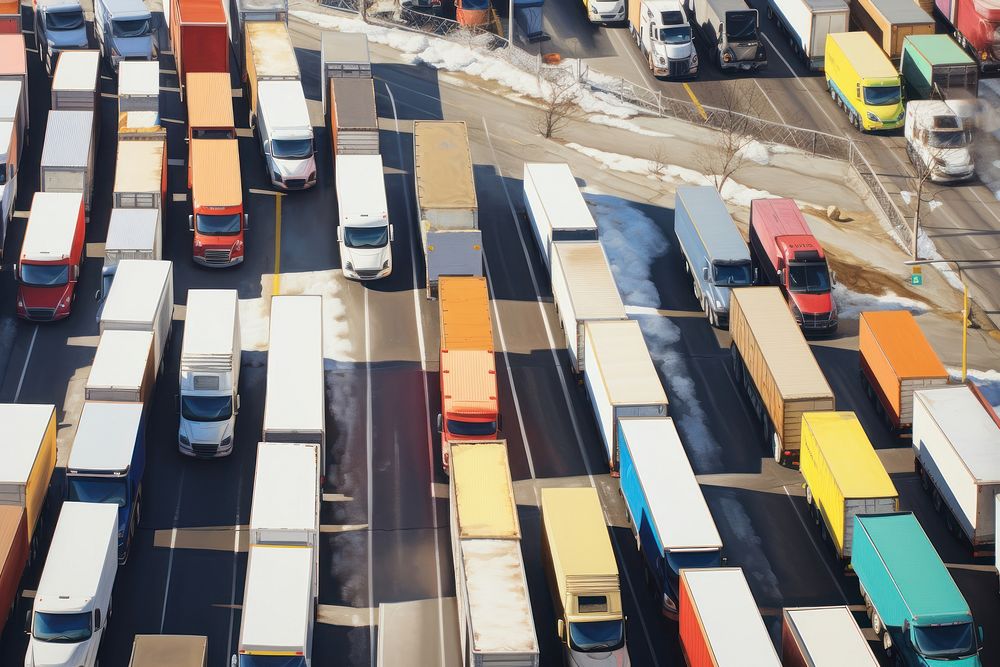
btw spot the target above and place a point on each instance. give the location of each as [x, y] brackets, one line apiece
[558, 101]
[922, 169]
[734, 122]
[658, 160]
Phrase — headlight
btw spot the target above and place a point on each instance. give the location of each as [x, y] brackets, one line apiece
[227, 440]
[660, 60]
[385, 264]
[796, 313]
[872, 117]
[718, 304]
[197, 243]
[349, 267]
[184, 440]
[900, 116]
[694, 60]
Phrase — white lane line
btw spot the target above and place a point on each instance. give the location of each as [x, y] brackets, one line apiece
[821, 556]
[564, 386]
[24, 369]
[809, 94]
[769, 101]
[369, 427]
[985, 205]
[236, 550]
[170, 558]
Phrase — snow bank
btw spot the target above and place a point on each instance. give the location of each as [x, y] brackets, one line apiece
[851, 304]
[756, 152]
[927, 250]
[612, 121]
[987, 381]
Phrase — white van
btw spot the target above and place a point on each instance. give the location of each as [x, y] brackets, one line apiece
[364, 234]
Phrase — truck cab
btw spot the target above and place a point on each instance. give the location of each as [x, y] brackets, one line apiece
[218, 221]
[937, 141]
[286, 135]
[469, 407]
[124, 31]
[787, 255]
[51, 256]
[60, 25]
[364, 234]
[605, 11]
[732, 34]
[863, 81]
[664, 37]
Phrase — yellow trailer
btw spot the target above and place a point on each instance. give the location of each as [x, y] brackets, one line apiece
[863, 82]
[843, 475]
[27, 458]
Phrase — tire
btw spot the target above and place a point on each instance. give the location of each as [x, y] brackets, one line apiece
[938, 501]
[809, 497]
[887, 644]
[775, 445]
[877, 626]
[925, 480]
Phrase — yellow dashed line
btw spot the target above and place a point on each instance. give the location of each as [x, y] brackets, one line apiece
[697, 104]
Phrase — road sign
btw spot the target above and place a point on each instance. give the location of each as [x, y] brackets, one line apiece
[917, 277]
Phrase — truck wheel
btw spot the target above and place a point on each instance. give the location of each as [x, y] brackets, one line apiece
[877, 626]
[925, 480]
[776, 445]
[938, 503]
[887, 644]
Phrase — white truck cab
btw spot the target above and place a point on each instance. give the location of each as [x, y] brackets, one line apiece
[938, 140]
[364, 235]
[605, 11]
[663, 34]
[286, 134]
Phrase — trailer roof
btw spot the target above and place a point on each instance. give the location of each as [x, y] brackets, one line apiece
[564, 206]
[938, 49]
[669, 483]
[782, 344]
[354, 101]
[24, 426]
[361, 179]
[853, 463]
[13, 59]
[284, 487]
[261, 5]
[344, 47]
[295, 399]
[210, 317]
[75, 562]
[968, 426]
[204, 12]
[271, 48]
[903, 343]
[10, 99]
[830, 636]
[209, 100]
[574, 520]
[105, 436]
[901, 12]
[713, 223]
[589, 280]
[174, 650]
[464, 307]
[216, 172]
[733, 627]
[278, 603]
[140, 77]
[52, 226]
[818, 6]
[622, 360]
[132, 229]
[68, 138]
[865, 54]
[484, 493]
[139, 166]
[469, 382]
[77, 71]
[443, 165]
[121, 359]
[135, 293]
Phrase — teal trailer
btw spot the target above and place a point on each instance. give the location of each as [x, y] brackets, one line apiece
[935, 67]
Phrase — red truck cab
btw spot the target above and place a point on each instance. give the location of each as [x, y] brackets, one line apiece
[786, 254]
[51, 256]
[977, 29]
[219, 221]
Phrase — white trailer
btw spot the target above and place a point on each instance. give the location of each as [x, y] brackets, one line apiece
[620, 379]
[67, 163]
[584, 290]
[956, 445]
[140, 173]
[133, 233]
[123, 369]
[13, 126]
[807, 23]
[555, 207]
[75, 85]
[364, 234]
[139, 99]
[142, 299]
[823, 636]
[343, 55]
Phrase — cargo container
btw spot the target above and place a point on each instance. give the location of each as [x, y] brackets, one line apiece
[555, 207]
[495, 620]
[447, 208]
[773, 362]
[239, 13]
[807, 23]
[209, 110]
[823, 637]
[620, 379]
[731, 31]
[584, 290]
[218, 222]
[662, 32]
[269, 56]
[889, 22]
[139, 99]
[199, 36]
[169, 651]
[719, 624]
[123, 368]
[843, 476]
[76, 83]
[343, 55]
[73, 602]
[583, 577]
[14, 66]
[673, 527]
[142, 299]
[51, 256]
[353, 121]
[124, 30]
[13, 136]
[133, 233]
[14, 553]
[364, 235]
[976, 26]
[68, 154]
[955, 446]
[61, 26]
[715, 255]
[935, 67]
[140, 174]
[915, 607]
[29, 458]
[896, 360]
[10, 17]
[863, 82]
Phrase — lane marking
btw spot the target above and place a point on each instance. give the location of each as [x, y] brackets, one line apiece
[276, 280]
[236, 551]
[809, 94]
[109, 96]
[369, 428]
[769, 101]
[24, 369]
[985, 205]
[170, 558]
[819, 552]
[172, 120]
[343, 527]
[694, 98]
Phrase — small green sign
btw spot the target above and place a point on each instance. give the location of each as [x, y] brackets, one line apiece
[917, 279]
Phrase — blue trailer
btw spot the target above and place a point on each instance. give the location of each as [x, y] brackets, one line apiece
[672, 525]
[107, 462]
[917, 611]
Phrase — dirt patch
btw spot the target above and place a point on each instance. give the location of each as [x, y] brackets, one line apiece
[870, 281]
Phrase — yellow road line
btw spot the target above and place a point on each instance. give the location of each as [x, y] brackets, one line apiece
[276, 282]
[697, 104]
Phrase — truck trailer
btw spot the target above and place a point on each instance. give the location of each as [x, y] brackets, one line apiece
[123, 370]
[239, 13]
[142, 299]
[343, 55]
[823, 637]
[133, 233]
[935, 67]
[67, 163]
[353, 120]
[199, 37]
[14, 67]
[209, 111]
[28, 462]
[76, 83]
[976, 28]
[140, 174]
[139, 99]
[807, 23]
[555, 207]
[889, 22]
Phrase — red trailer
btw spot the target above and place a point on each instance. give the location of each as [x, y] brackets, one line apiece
[977, 29]
[10, 17]
[13, 555]
[199, 37]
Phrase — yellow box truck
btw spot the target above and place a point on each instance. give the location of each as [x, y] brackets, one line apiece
[843, 475]
[863, 82]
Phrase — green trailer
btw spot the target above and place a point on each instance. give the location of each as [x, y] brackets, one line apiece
[935, 67]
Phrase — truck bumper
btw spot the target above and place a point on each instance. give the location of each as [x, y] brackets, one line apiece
[941, 176]
[201, 261]
[202, 450]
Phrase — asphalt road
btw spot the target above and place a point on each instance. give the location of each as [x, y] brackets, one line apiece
[384, 516]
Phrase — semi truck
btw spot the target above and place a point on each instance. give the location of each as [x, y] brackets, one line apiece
[139, 99]
[719, 623]
[209, 373]
[26, 468]
[583, 577]
[939, 141]
[14, 68]
[268, 56]
[209, 110]
[51, 256]
[670, 520]
[239, 13]
[140, 174]
[863, 82]
[786, 254]
[584, 290]
[889, 22]
[896, 359]
[715, 255]
[142, 299]
[60, 25]
[976, 27]
[218, 220]
[915, 607]
[662, 33]
[173, 650]
[447, 208]
[107, 461]
[343, 55]
[123, 369]
[843, 476]
[67, 163]
[75, 84]
[620, 380]
[199, 36]
[470, 409]
[555, 207]
[124, 31]
[353, 120]
[955, 442]
[779, 374]
[73, 602]
[133, 233]
[364, 235]
[823, 636]
[604, 11]
[731, 31]
[807, 23]
[13, 135]
[935, 67]
[489, 570]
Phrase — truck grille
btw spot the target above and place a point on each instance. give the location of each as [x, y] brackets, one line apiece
[295, 183]
[815, 320]
[367, 273]
[217, 256]
[41, 314]
[204, 448]
[678, 68]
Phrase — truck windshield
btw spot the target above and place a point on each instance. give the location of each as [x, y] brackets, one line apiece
[207, 408]
[471, 429]
[881, 96]
[98, 490]
[212, 133]
[272, 661]
[945, 641]
[675, 34]
[3, 175]
[948, 139]
[732, 274]
[64, 20]
[218, 225]
[596, 636]
[291, 149]
[44, 275]
[808, 277]
[741, 26]
[131, 28]
[366, 237]
[61, 628]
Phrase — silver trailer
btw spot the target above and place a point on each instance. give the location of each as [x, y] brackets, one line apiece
[353, 120]
[807, 23]
[68, 154]
[343, 55]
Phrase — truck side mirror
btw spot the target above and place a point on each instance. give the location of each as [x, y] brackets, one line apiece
[440, 423]
[76, 272]
[97, 296]
[190, 223]
[833, 277]
[340, 234]
[560, 627]
[756, 276]
[392, 233]
[237, 410]
[858, 93]
[97, 619]
[27, 622]
[704, 272]
[980, 631]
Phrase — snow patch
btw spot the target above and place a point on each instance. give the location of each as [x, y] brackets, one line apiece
[907, 196]
[612, 121]
[756, 152]
[851, 304]
[987, 381]
[934, 204]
